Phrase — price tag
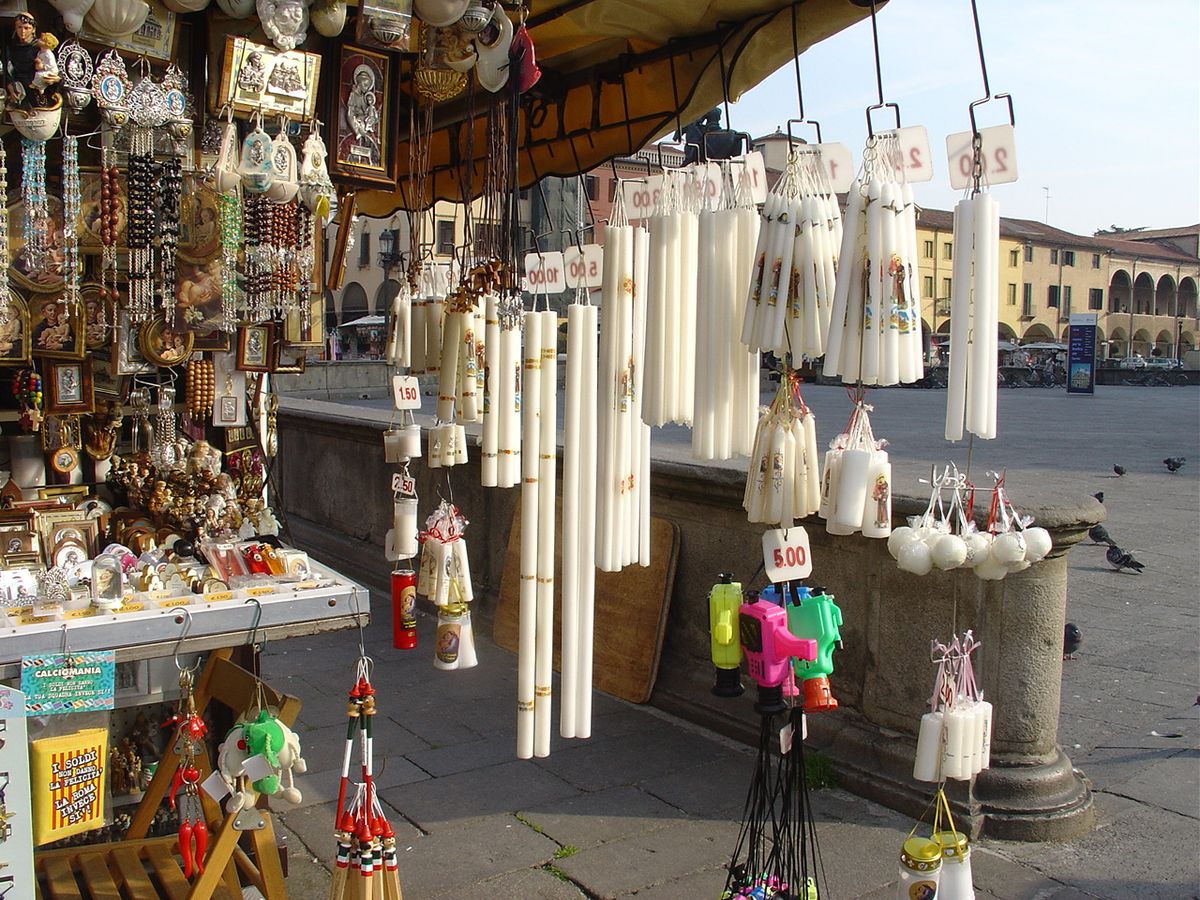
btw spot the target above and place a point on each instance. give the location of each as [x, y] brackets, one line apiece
[404, 484]
[642, 196]
[999, 156]
[406, 392]
[785, 739]
[259, 591]
[584, 269]
[544, 273]
[257, 767]
[751, 175]
[839, 166]
[786, 556]
[131, 607]
[218, 596]
[78, 614]
[914, 162]
[215, 786]
[174, 601]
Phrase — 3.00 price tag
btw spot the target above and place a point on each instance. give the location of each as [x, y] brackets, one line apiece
[642, 196]
[786, 555]
[998, 156]
[406, 392]
[914, 162]
[584, 269]
[544, 273]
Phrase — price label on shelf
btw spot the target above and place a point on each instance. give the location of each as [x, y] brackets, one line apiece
[406, 392]
[751, 175]
[998, 156]
[404, 484]
[544, 273]
[584, 269]
[913, 161]
[839, 166]
[786, 556]
[641, 196]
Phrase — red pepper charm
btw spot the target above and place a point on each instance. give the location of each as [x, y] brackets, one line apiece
[201, 833]
[185, 847]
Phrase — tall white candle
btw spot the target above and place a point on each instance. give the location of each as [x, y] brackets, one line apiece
[547, 456]
[417, 339]
[960, 312]
[587, 509]
[572, 521]
[489, 456]
[531, 440]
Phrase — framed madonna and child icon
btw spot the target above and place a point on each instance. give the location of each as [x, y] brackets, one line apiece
[363, 149]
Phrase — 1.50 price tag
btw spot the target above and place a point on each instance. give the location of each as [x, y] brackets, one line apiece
[544, 273]
[998, 156]
[786, 556]
[751, 175]
[406, 392]
[584, 269]
[839, 166]
[913, 162]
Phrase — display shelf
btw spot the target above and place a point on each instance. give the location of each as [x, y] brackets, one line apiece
[152, 628]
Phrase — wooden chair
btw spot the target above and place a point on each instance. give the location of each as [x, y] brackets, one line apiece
[141, 868]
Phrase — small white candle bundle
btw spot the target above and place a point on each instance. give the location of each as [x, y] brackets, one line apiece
[974, 319]
[726, 400]
[444, 574]
[500, 463]
[856, 489]
[458, 379]
[425, 325]
[623, 480]
[579, 522]
[402, 540]
[399, 344]
[947, 539]
[671, 315]
[783, 482]
[792, 278]
[955, 737]
[447, 445]
[875, 328]
[535, 652]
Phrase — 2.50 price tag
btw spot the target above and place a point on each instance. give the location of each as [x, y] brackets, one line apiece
[584, 269]
[913, 161]
[544, 273]
[998, 156]
[786, 555]
[406, 392]
[404, 484]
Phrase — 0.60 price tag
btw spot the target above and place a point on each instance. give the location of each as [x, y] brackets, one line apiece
[998, 157]
[584, 269]
[406, 392]
[544, 273]
[786, 555]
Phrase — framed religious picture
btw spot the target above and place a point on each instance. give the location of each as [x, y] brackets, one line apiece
[164, 345]
[14, 331]
[57, 332]
[363, 149]
[36, 268]
[287, 360]
[154, 39]
[199, 222]
[106, 383]
[126, 355]
[259, 78]
[68, 387]
[98, 315]
[214, 341]
[254, 347]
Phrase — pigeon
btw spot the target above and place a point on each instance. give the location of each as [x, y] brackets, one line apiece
[1174, 463]
[1121, 560]
[1099, 535]
[1072, 638]
[1120, 470]
[1099, 495]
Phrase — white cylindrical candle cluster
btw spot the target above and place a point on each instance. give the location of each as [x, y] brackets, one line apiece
[458, 379]
[671, 304]
[875, 334]
[623, 478]
[531, 437]
[955, 736]
[856, 488]
[791, 282]
[974, 319]
[447, 446]
[501, 460]
[783, 484]
[425, 320]
[579, 522]
[726, 399]
[399, 345]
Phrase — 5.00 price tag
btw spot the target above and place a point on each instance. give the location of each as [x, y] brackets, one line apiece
[584, 269]
[786, 555]
[406, 392]
[999, 156]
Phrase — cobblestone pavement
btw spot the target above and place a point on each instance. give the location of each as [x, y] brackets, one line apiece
[649, 806]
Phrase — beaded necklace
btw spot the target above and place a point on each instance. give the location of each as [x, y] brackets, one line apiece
[70, 265]
[4, 295]
[109, 214]
[140, 230]
[170, 191]
[35, 205]
[231, 238]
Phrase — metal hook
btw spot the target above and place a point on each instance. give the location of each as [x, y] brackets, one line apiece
[362, 649]
[187, 626]
[258, 612]
[878, 79]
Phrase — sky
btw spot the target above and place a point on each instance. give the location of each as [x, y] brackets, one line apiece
[1106, 96]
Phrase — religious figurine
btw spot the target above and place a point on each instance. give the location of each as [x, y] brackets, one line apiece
[30, 66]
[284, 21]
[101, 430]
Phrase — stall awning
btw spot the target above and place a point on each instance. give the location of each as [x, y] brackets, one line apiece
[364, 321]
[618, 74]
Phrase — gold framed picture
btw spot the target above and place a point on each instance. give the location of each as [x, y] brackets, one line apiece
[126, 356]
[14, 331]
[164, 345]
[68, 388]
[155, 39]
[254, 347]
[255, 77]
[56, 332]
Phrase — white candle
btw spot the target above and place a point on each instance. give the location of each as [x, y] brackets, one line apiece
[449, 365]
[889, 308]
[587, 510]
[839, 315]
[434, 312]
[852, 488]
[572, 524]
[927, 765]
[690, 236]
[756, 290]
[874, 302]
[960, 312]
[531, 439]
[640, 506]
[417, 339]
[987, 253]
[547, 455]
[877, 512]
[489, 455]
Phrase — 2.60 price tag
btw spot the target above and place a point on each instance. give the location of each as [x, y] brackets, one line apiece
[786, 555]
[406, 392]
[998, 156]
[584, 269]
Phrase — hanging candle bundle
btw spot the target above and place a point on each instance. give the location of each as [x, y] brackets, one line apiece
[856, 490]
[623, 492]
[671, 286]
[399, 342]
[792, 279]
[535, 653]
[579, 522]
[726, 380]
[974, 318]
[366, 863]
[937, 866]
[955, 737]
[783, 483]
[428, 313]
[875, 326]
[458, 381]
[945, 536]
[500, 460]
[444, 567]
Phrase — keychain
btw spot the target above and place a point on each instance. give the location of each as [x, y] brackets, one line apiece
[184, 794]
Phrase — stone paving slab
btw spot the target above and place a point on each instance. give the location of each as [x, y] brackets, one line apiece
[588, 820]
[527, 884]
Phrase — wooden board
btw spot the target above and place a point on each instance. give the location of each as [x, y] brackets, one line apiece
[631, 610]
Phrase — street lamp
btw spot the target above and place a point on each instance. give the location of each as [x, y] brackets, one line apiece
[389, 255]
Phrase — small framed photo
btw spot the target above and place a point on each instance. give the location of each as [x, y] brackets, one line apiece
[255, 77]
[106, 383]
[98, 315]
[57, 332]
[126, 356]
[254, 347]
[164, 345]
[73, 493]
[288, 360]
[154, 39]
[14, 331]
[132, 677]
[17, 539]
[68, 388]
[212, 341]
[361, 110]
